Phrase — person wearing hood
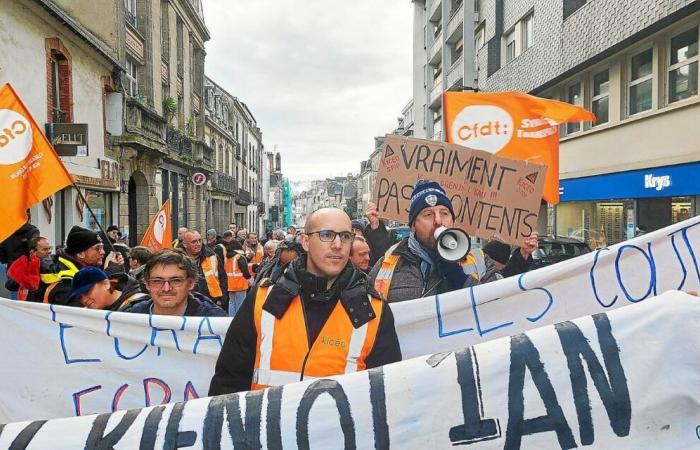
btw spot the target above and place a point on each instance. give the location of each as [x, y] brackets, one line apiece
[320, 318]
[94, 289]
[413, 269]
[170, 277]
[83, 248]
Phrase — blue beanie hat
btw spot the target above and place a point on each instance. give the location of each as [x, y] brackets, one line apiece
[85, 279]
[425, 194]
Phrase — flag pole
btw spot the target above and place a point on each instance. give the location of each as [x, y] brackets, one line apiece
[97, 222]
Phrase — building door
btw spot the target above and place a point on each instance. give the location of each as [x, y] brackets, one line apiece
[133, 208]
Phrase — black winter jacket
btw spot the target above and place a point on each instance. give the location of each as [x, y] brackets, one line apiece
[130, 288]
[17, 244]
[379, 241]
[197, 306]
[234, 368]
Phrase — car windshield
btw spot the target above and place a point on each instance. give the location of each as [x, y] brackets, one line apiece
[555, 249]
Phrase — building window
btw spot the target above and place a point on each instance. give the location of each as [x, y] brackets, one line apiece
[59, 82]
[165, 31]
[527, 29]
[571, 6]
[683, 66]
[510, 46]
[641, 79]
[130, 12]
[573, 96]
[599, 101]
[132, 80]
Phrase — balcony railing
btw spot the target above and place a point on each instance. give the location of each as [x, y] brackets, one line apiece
[179, 144]
[436, 49]
[143, 122]
[435, 5]
[455, 22]
[130, 18]
[435, 93]
[456, 72]
[243, 197]
[223, 182]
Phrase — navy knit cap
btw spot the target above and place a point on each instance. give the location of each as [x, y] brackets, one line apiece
[425, 194]
[85, 279]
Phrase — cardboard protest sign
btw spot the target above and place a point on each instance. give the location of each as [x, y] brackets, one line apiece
[62, 361]
[623, 379]
[492, 197]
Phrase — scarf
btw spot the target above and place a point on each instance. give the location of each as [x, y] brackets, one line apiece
[427, 256]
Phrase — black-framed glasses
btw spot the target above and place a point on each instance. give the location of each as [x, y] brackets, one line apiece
[159, 283]
[346, 237]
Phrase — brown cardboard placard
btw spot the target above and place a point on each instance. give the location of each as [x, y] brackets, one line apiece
[492, 197]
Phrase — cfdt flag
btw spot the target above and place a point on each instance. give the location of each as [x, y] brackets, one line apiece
[30, 169]
[513, 125]
[159, 234]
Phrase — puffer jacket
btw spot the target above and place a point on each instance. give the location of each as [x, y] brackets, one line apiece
[198, 305]
[407, 282]
[234, 368]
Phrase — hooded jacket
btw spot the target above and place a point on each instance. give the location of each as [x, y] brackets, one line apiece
[234, 368]
[407, 282]
[198, 305]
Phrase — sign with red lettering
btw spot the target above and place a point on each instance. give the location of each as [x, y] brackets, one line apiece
[492, 197]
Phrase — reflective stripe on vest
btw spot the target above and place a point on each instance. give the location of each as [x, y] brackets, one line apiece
[52, 279]
[282, 344]
[473, 265]
[210, 268]
[236, 282]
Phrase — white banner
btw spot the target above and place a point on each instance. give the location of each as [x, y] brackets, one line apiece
[625, 379]
[62, 361]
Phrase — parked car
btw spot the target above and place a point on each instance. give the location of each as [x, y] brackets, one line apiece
[554, 249]
[399, 232]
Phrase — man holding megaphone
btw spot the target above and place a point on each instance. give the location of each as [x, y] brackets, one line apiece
[435, 258]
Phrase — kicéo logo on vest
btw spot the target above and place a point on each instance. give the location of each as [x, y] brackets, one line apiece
[15, 137]
[482, 127]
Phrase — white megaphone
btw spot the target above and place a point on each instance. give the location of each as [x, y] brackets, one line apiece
[453, 244]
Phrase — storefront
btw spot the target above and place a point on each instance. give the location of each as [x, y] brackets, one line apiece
[606, 209]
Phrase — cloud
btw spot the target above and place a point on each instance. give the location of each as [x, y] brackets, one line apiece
[322, 77]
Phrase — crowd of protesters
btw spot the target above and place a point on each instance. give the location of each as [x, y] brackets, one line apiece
[329, 279]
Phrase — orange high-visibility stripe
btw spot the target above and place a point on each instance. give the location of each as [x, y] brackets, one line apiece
[473, 265]
[236, 281]
[210, 267]
[282, 344]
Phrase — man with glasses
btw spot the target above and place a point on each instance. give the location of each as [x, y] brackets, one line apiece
[212, 281]
[83, 249]
[318, 319]
[170, 276]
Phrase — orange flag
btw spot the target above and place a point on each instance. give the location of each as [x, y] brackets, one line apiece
[513, 125]
[159, 234]
[30, 169]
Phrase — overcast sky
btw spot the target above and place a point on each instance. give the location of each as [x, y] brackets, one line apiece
[322, 77]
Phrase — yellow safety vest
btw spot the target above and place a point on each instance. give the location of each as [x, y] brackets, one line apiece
[52, 279]
[473, 265]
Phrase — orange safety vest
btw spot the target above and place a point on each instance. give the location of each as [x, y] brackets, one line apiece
[473, 265]
[282, 351]
[236, 282]
[210, 267]
[257, 258]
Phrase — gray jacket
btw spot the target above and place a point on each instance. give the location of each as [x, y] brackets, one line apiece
[407, 281]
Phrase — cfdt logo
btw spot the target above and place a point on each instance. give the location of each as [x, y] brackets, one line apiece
[15, 137]
[482, 127]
